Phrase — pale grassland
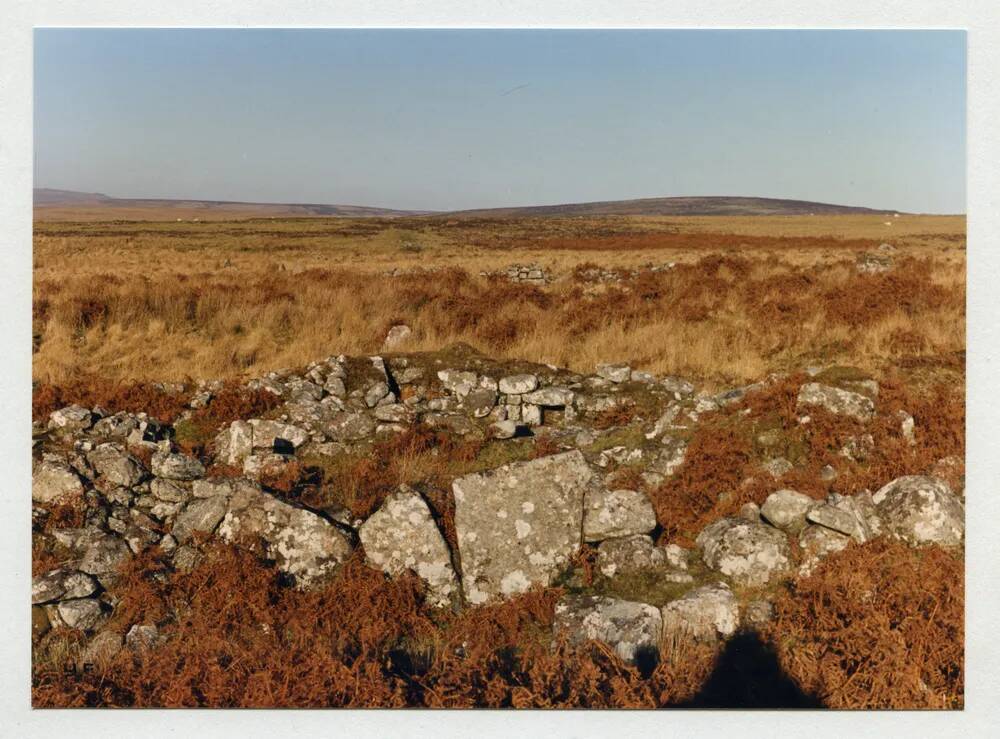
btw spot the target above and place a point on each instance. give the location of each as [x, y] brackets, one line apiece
[168, 300]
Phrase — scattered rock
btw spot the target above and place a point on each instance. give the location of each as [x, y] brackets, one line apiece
[921, 510]
[631, 629]
[837, 401]
[301, 543]
[177, 466]
[752, 554]
[614, 372]
[61, 584]
[52, 481]
[610, 514]
[704, 614]
[201, 516]
[396, 336]
[401, 536]
[83, 613]
[787, 509]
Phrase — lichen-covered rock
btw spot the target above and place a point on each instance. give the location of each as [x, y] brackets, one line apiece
[550, 397]
[750, 553]
[921, 510]
[116, 466]
[787, 509]
[265, 433]
[61, 584]
[458, 381]
[610, 514]
[816, 543]
[105, 553]
[396, 336]
[837, 401]
[518, 384]
[71, 418]
[703, 615]
[83, 613]
[402, 535]
[104, 646]
[142, 637]
[614, 372]
[637, 553]
[177, 466]
[202, 516]
[520, 524]
[52, 481]
[349, 426]
[631, 629]
[301, 543]
[234, 444]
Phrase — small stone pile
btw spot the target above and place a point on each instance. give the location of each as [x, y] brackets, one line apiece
[531, 274]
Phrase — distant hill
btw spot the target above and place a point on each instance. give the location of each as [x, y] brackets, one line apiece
[687, 206]
[45, 198]
[70, 203]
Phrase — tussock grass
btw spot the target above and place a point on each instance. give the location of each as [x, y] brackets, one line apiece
[166, 301]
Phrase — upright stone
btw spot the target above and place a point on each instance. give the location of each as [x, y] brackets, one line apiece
[520, 524]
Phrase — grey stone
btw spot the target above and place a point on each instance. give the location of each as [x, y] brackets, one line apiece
[787, 509]
[103, 647]
[142, 637]
[83, 613]
[518, 384]
[631, 629]
[752, 554]
[60, 584]
[777, 467]
[202, 516]
[265, 433]
[458, 382]
[637, 553]
[480, 401]
[397, 335]
[614, 372]
[53, 481]
[816, 543]
[520, 524]
[376, 393]
[349, 426]
[550, 397]
[177, 466]
[504, 429]
[758, 612]
[116, 466]
[921, 510]
[702, 615]
[301, 543]
[104, 555]
[71, 418]
[531, 414]
[170, 491]
[610, 514]
[235, 443]
[834, 518]
[837, 401]
[402, 535]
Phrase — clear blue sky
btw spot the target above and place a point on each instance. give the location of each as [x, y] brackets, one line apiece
[462, 119]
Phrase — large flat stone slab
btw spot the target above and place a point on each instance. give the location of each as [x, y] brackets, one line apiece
[520, 524]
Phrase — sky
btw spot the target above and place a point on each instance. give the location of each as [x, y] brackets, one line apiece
[445, 120]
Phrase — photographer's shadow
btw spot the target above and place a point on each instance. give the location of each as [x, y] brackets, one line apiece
[747, 675]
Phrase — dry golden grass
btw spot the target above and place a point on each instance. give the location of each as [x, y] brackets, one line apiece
[168, 300]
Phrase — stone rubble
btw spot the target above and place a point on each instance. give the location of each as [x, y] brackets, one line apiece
[518, 525]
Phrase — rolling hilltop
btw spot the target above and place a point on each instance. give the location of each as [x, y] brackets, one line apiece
[686, 206]
[50, 203]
